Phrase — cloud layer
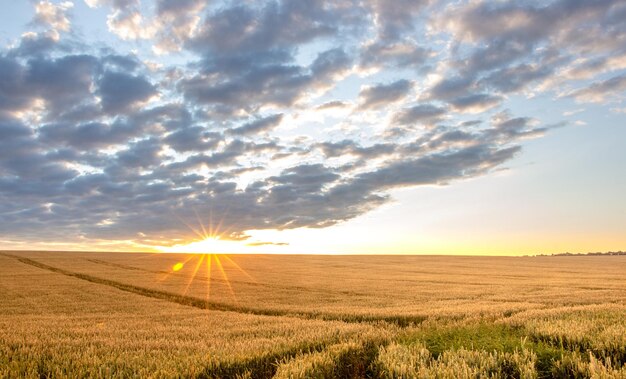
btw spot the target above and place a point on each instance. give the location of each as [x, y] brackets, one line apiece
[277, 115]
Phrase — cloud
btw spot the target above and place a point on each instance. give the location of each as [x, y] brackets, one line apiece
[522, 21]
[516, 78]
[399, 54]
[241, 28]
[248, 54]
[332, 104]
[331, 62]
[275, 85]
[125, 19]
[449, 88]
[141, 154]
[176, 22]
[120, 91]
[264, 124]
[434, 169]
[462, 92]
[508, 47]
[38, 43]
[475, 103]
[383, 94]
[260, 83]
[130, 25]
[119, 143]
[193, 138]
[53, 15]
[59, 83]
[394, 46]
[348, 147]
[267, 243]
[396, 18]
[600, 90]
[13, 129]
[87, 136]
[426, 113]
[13, 96]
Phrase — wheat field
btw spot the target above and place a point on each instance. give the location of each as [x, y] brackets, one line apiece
[67, 315]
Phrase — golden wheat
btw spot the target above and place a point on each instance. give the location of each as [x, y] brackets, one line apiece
[135, 315]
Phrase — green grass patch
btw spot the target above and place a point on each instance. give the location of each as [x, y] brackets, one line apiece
[481, 336]
[485, 336]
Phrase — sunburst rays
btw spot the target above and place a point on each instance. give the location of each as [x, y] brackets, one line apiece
[195, 272]
[209, 253]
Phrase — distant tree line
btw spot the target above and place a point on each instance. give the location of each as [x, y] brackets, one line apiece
[568, 254]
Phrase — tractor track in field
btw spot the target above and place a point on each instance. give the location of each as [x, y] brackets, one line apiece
[260, 367]
[401, 321]
[204, 278]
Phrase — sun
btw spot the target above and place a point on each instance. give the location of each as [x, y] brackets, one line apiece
[208, 245]
[210, 239]
[204, 255]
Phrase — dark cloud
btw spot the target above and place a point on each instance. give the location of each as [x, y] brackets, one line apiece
[12, 94]
[451, 88]
[399, 54]
[505, 47]
[348, 147]
[527, 22]
[68, 87]
[332, 104]
[62, 82]
[274, 85]
[141, 154]
[426, 113]
[248, 53]
[176, 20]
[13, 129]
[127, 63]
[89, 135]
[59, 83]
[498, 53]
[262, 83]
[257, 126]
[516, 78]
[38, 44]
[121, 92]
[434, 169]
[241, 28]
[396, 18]
[194, 138]
[170, 117]
[598, 91]
[383, 94]
[299, 180]
[175, 6]
[475, 103]
[330, 62]
[96, 143]
[396, 25]
[464, 94]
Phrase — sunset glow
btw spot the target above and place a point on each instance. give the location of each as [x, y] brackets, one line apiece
[295, 189]
[288, 127]
[211, 245]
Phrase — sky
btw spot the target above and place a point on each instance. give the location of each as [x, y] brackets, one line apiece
[306, 126]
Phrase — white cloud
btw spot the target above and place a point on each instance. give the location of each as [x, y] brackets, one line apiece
[53, 15]
[111, 142]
